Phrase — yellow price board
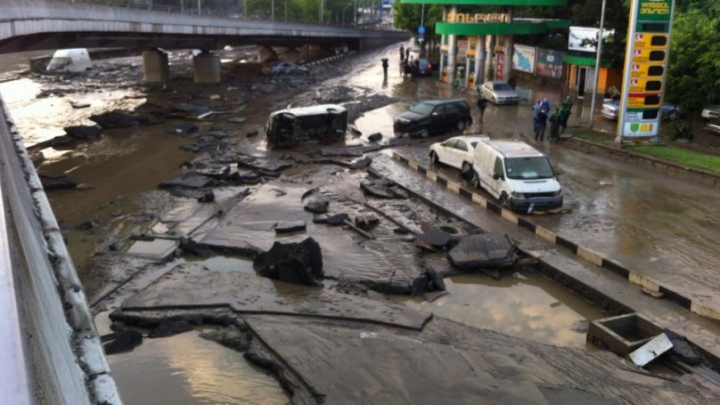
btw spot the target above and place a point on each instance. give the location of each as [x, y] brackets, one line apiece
[654, 41]
[648, 55]
[643, 100]
[647, 70]
[640, 85]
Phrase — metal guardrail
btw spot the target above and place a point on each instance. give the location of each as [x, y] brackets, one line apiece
[189, 7]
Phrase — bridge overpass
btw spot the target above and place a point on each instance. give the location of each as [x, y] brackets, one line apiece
[27, 25]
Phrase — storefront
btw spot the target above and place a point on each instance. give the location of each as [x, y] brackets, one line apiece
[580, 75]
[479, 47]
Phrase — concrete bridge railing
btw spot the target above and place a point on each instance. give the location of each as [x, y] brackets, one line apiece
[50, 352]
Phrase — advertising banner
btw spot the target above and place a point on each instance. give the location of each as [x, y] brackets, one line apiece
[523, 58]
[584, 39]
[549, 63]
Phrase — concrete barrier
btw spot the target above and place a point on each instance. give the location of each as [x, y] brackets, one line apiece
[586, 254]
[62, 351]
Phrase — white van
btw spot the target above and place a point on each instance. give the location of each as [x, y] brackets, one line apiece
[518, 175]
[69, 60]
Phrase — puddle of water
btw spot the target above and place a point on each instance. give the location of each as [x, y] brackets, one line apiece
[526, 306]
[191, 370]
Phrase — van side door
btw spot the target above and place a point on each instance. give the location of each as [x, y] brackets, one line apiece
[496, 182]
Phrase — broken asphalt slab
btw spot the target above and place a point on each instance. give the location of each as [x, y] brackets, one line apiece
[483, 251]
[192, 286]
[189, 179]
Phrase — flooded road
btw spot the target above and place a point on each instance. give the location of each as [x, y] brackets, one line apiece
[523, 305]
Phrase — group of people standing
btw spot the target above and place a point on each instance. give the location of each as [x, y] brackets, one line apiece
[558, 119]
[407, 64]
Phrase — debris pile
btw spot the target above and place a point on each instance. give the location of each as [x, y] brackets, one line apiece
[299, 263]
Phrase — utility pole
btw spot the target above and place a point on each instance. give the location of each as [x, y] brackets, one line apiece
[285, 10]
[355, 13]
[597, 65]
[422, 24]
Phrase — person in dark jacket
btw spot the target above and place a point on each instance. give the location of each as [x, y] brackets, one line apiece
[385, 66]
[555, 122]
[402, 53]
[541, 124]
[481, 103]
[566, 109]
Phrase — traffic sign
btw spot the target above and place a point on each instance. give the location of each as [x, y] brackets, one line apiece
[421, 30]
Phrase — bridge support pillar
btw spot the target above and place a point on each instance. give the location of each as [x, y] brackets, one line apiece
[267, 54]
[206, 68]
[155, 66]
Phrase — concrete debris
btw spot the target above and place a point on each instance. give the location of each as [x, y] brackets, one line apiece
[682, 348]
[230, 336]
[84, 132]
[290, 226]
[320, 219]
[651, 350]
[237, 120]
[60, 142]
[337, 219]
[399, 192]
[427, 282]
[171, 327]
[299, 263]
[208, 197]
[378, 190]
[366, 222]
[189, 179]
[317, 207]
[483, 251]
[362, 163]
[401, 230]
[354, 130]
[375, 137]
[117, 119]
[215, 172]
[123, 342]
[57, 183]
[190, 108]
[434, 240]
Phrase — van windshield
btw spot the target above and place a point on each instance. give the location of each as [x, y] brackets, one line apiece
[424, 109]
[529, 168]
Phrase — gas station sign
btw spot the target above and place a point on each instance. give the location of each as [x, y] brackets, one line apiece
[646, 56]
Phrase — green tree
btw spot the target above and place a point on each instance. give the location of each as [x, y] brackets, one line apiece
[693, 77]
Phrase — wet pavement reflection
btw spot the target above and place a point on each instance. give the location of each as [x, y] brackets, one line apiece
[189, 370]
[523, 305]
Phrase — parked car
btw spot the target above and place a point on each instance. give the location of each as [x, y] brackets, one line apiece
[457, 151]
[434, 116]
[611, 110]
[713, 125]
[499, 92]
[518, 175]
[425, 68]
[711, 112]
[285, 68]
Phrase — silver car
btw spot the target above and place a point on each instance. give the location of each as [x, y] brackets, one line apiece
[499, 92]
[611, 110]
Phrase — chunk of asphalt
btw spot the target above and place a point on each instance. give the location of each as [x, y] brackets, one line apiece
[375, 137]
[483, 251]
[289, 226]
[124, 341]
[682, 348]
[376, 190]
[299, 263]
[317, 207]
[171, 327]
[401, 230]
[189, 179]
[362, 163]
[366, 222]
[84, 132]
[337, 219]
[435, 238]
[208, 197]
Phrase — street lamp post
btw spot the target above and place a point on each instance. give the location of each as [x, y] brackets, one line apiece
[597, 65]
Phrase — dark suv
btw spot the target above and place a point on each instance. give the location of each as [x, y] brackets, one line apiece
[434, 116]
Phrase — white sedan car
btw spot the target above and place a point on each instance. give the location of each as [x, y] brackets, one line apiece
[499, 92]
[457, 151]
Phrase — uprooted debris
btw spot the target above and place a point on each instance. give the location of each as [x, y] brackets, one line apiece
[57, 183]
[682, 348]
[317, 207]
[428, 281]
[174, 326]
[483, 251]
[366, 222]
[84, 132]
[289, 226]
[231, 336]
[299, 263]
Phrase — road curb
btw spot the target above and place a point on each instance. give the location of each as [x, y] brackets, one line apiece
[584, 253]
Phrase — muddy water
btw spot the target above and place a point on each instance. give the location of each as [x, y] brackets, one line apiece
[189, 370]
[523, 305]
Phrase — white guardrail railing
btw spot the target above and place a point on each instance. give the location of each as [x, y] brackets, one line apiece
[50, 352]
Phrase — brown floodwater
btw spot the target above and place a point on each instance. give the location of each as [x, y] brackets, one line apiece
[523, 305]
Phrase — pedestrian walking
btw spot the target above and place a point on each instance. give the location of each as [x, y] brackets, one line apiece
[385, 66]
[536, 111]
[407, 53]
[566, 110]
[481, 103]
[555, 121]
[542, 123]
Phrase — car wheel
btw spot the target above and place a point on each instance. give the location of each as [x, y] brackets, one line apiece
[460, 125]
[424, 133]
[476, 180]
[503, 201]
[434, 158]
